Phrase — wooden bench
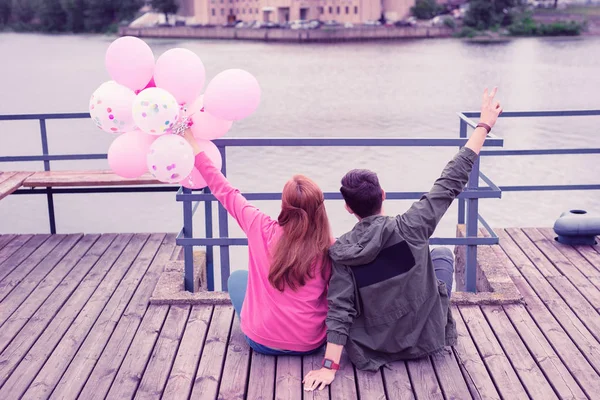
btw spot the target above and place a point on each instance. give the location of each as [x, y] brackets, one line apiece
[12, 181]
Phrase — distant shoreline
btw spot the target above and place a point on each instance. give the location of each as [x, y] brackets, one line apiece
[290, 35]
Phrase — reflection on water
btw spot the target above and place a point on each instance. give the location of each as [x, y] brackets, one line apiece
[391, 89]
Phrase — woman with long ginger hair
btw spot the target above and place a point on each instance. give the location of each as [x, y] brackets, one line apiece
[282, 298]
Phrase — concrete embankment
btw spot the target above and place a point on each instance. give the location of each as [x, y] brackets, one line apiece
[289, 35]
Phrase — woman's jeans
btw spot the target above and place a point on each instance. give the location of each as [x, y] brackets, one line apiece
[238, 283]
[443, 265]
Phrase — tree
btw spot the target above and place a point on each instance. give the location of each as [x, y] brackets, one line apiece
[166, 7]
[5, 12]
[75, 10]
[425, 9]
[483, 14]
[53, 18]
[23, 11]
[128, 9]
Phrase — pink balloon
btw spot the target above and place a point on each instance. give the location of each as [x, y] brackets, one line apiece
[151, 83]
[130, 62]
[195, 180]
[205, 125]
[232, 95]
[181, 73]
[127, 154]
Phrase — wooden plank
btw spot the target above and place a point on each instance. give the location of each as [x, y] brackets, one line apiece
[85, 178]
[555, 371]
[31, 319]
[5, 239]
[476, 374]
[208, 376]
[8, 250]
[46, 333]
[77, 318]
[237, 361]
[45, 277]
[261, 384]
[568, 294]
[181, 378]
[564, 265]
[493, 356]
[36, 248]
[397, 382]
[288, 379]
[571, 253]
[10, 182]
[314, 362]
[90, 350]
[592, 256]
[424, 381]
[160, 364]
[556, 323]
[531, 375]
[450, 376]
[132, 369]
[370, 385]
[565, 315]
[344, 385]
[99, 382]
[545, 267]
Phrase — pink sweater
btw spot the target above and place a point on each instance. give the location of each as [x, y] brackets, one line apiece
[288, 320]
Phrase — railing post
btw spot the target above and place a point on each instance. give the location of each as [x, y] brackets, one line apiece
[188, 251]
[461, 202]
[49, 195]
[472, 213]
[210, 268]
[224, 229]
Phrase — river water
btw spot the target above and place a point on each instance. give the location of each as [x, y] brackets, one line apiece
[387, 89]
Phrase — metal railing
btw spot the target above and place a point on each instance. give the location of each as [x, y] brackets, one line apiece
[468, 210]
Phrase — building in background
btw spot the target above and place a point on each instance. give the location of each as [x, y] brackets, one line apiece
[219, 12]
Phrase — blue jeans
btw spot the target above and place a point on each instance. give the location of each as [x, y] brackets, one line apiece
[238, 283]
[443, 265]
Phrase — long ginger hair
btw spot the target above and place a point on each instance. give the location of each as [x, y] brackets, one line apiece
[306, 235]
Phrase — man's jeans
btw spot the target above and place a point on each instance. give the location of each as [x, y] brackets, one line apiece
[443, 264]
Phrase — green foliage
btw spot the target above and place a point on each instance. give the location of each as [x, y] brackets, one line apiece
[75, 10]
[101, 14]
[5, 12]
[53, 18]
[526, 26]
[467, 32]
[483, 14]
[23, 11]
[449, 22]
[169, 7]
[425, 9]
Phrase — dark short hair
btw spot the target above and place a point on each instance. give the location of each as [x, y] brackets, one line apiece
[362, 192]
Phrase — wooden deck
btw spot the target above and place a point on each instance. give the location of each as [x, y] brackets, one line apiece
[75, 323]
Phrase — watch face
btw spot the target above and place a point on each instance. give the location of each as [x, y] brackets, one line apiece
[328, 364]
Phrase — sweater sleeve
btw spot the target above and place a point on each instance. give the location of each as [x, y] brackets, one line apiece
[236, 205]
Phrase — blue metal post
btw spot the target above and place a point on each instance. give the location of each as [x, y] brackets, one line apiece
[188, 251]
[49, 196]
[210, 268]
[461, 202]
[472, 214]
[224, 230]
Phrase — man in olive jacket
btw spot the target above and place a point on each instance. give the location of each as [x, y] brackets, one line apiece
[389, 295]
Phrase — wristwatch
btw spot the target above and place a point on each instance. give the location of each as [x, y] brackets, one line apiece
[329, 364]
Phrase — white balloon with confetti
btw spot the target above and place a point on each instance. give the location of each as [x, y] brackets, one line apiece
[155, 111]
[110, 108]
[170, 158]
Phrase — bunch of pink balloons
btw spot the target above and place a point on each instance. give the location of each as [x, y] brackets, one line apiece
[147, 101]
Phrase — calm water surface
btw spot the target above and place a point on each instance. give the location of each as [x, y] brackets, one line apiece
[399, 89]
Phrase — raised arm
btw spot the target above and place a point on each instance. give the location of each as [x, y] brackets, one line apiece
[420, 221]
[236, 205]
